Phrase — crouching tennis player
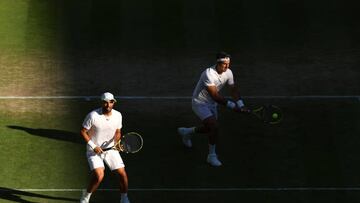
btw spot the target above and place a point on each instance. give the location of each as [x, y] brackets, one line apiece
[205, 99]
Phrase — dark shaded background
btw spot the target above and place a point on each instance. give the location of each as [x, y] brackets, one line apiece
[159, 47]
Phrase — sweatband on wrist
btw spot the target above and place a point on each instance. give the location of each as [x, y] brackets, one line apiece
[240, 103]
[230, 104]
[92, 144]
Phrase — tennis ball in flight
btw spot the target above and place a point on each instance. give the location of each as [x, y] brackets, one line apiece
[275, 115]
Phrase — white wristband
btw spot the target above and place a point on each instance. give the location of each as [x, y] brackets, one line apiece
[230, 104]
[92, 144]
[240, 103]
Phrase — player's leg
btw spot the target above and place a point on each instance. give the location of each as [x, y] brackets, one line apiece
[208, 115]
[97, 168]
[123, 184]
[116, 164]
[203, 112]
[210, 128]
[97, 176]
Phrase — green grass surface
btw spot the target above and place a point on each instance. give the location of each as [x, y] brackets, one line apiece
[13, 19]
[35, 149]
[314, 146]
[158, 48]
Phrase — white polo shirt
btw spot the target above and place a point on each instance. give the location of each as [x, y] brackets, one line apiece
[102, 129]
[210, 77]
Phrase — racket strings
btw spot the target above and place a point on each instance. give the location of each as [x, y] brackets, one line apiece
[273, 114]
[269, 114]
[132, 143]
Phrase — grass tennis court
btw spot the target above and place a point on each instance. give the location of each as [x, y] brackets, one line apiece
[313, 148]
[300, 55]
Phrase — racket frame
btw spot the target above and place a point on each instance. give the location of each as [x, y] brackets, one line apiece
[119, 146]
[260, 114]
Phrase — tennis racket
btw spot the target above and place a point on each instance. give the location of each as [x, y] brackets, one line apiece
[270, 114]
[131, 142]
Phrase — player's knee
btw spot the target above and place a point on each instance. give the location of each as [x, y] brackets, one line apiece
[211, 127]
[121, 172]
[210, 124]
[99, 176]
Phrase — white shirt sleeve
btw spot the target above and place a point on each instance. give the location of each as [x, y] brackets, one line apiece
[230, 78]
[88, 121]
[208, 79]
[120, 122]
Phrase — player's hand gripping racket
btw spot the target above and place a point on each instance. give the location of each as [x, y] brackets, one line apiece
[270, 114]
[131, 142]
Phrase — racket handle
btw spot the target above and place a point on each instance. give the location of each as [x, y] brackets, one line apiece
[107, 149]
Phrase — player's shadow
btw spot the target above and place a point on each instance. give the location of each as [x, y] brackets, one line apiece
[18, 195]
[51, 133]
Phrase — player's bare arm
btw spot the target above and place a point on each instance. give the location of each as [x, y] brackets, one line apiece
[86, 137]
[117, 136]
[234, 92]
[213, 92]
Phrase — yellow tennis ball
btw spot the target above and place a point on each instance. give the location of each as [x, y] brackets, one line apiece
[275, 115]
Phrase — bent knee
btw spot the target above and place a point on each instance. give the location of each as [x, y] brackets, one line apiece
[99, 175]
[211, 127]
[121, 172]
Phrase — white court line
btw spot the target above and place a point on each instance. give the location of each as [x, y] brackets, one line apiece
[274, 189]
[187, 97]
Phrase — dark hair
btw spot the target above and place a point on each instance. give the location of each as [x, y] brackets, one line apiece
[222, 54]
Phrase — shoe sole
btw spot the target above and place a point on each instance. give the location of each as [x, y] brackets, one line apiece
[213, 164]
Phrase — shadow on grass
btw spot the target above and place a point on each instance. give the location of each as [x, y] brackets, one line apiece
[17, 196]
[51, 133]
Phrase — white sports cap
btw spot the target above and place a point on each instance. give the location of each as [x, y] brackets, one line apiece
[107, 96]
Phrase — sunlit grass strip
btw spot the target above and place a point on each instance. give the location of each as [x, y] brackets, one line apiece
[13, 24]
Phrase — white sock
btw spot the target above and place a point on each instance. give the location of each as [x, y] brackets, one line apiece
[87, 195]
[212, 149]
[123, 195]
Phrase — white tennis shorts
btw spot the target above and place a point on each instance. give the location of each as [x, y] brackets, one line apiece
[112, 159]
[204, 111]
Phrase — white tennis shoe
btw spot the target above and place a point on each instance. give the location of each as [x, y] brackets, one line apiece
[185, 136]
[213, 160]
[124, 200]
[84, 199]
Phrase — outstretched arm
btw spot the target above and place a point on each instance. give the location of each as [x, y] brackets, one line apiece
[234, 92]
[213, 92]
[240, 106]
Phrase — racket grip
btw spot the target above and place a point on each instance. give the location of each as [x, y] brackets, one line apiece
[107, 149]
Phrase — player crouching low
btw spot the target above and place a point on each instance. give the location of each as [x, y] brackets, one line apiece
[204, 104]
